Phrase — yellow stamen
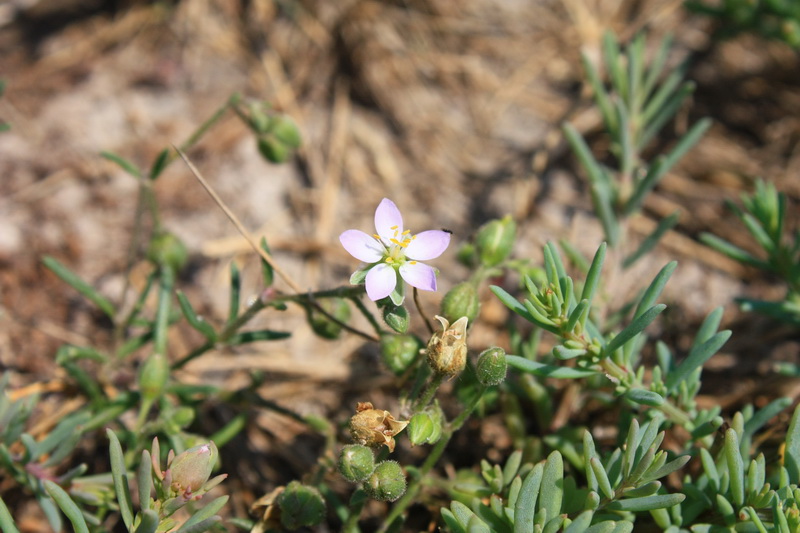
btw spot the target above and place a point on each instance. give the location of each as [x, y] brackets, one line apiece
[406, 232]
[398, 243]
[394, 227]
[376, 236]
[412, 262]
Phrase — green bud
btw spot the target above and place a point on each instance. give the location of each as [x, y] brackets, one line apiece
[153, 376]
[191, 469]
[396, 317]
[301, 506]
[387, 483]
[167, 249]
[399, 351]
[183, 416]
[491, 367]
[425, 427]
[324, 326]
[259, 120]
[467, 255]
[461, 300]
[356, 463]
[285, 130]
[495, 239]
[273, 149]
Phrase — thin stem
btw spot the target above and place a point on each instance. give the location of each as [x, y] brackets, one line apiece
[429, 393]
[421, 312]
[414, 486]
[167, 283]
[369, 316]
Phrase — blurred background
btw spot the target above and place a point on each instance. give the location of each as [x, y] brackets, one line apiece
[451, 109]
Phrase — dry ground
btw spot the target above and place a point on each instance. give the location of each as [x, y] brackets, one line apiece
[452, 109]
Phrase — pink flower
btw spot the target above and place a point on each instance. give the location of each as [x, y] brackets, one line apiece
[393, 252]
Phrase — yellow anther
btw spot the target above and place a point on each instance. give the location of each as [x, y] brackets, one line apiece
[406, 232]
[376, 236]
[398, 243]
[389, 260]
[412, 262]
[394, 227]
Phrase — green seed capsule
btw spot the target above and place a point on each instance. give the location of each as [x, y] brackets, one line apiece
[399, 351]
[495, 240]
[167, 249]
[301, 506]
[492, 366]
[153, 376]
[324, 326]
[285, 130]
[461, 300]
[387, 483]
[356, 463]
[273, 149]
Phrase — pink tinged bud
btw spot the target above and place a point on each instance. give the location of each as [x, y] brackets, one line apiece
[191, 469]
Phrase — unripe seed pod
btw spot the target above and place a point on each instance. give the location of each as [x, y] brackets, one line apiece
[425, 427]
[447, 350]
[396, 317]
[356, 463]
[399, 351]
[461, 300]
[324, 326]
[492, 366]
[166, 249]
[285, 130]
[273, 149]
[153, 376]
[387, 483]
[301, 506]
[495, 240]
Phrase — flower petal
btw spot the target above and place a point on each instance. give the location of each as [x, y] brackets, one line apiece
[428, 245]
[362, 246]
[381, 280]
[419, 275]
[388, 220]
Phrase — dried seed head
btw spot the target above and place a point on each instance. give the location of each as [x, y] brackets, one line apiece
[447, 350]
[374, 427]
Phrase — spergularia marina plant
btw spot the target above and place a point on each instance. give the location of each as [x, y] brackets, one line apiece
[393, 253]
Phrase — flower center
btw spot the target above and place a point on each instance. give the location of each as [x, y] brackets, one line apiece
[395, 252]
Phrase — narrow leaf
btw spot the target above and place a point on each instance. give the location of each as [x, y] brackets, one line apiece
[733, 457]
[6, 520]
[204, 514]
[194, 320]
[540, 369]
[149, 522]
[69, 507]
[123, 163]
[697, 357]
[267, 273]
[236, 289]
[792, 452]
[634, 328]
[255, 336]
[734, 252]
[144, 481]
[525, 509]
[160, 163]
[593, 276]
[644, 397]
[70, 278]
[512, 303]
[765, 414]
[553, 483]
[120, 477]
[652, 240]
[647, 503]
